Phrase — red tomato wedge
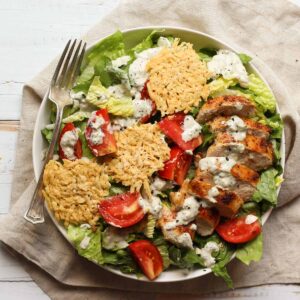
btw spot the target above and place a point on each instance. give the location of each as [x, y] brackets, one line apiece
[108, 143]
[171, 126]
[145, 96]
[177, 166]
[122, 210]
[77, 146]
[236, 231]
[148, 258]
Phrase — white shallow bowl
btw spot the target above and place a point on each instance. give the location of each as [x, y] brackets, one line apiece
[132, 37]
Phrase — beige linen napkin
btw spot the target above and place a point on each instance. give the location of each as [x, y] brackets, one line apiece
[270, 30]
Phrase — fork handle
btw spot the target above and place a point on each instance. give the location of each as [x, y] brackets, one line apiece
[35, 212]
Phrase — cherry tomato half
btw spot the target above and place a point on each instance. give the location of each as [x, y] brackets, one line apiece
[171, 126]
[237, 231]
[177, 166]
[77, 146]
[122, 210]
[148, 258]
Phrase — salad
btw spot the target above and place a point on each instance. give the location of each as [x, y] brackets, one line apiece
[168, 157]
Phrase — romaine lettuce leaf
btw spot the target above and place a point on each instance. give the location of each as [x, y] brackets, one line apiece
[77, 117]
[206, 54]
[99, 96]
[276, 124]
[111, 47]
[220, 84]
[264, 98]
[222, 257]
[251, 251]
[97, 59]
[244, 58]
[266, 187]
[47, 134]
[86, 151]
[86, 242]
[220, 270]
[147, 43]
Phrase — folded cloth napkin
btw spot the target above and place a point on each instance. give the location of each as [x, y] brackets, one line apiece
[268, 29]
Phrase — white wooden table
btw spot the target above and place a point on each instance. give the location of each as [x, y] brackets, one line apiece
[32, 33]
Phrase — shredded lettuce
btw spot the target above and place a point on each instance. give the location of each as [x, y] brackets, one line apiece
[251, 251]
[99, 96]
[86, 242]
[264, 98]
[266, 188]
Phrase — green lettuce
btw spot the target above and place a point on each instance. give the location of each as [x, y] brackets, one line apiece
[47, 134]
[264, 98]
[99, 96]
[251, 251]
[86, 151]
[220, 270]
[92, 251]
[220, 85]
[148, 42]
[266, 187]
[206, 54]
[163, 247]
[111, 47]
[97, 59]
[244, 58]
[116, 188]
[276, 124]
[222, 257]
[77, 117]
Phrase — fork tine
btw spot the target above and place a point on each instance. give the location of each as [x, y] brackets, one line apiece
[70, 70]
[53, 80]
[62, 75]
[76, 67]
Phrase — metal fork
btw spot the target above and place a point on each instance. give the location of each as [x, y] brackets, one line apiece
[59, 93]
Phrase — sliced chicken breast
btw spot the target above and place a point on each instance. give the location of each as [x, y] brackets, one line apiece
[177, 198]
[226, 202]
[182, 235]
[226, 106]
[241, 184]
[221, 124]
[207, 220]
[254, 152]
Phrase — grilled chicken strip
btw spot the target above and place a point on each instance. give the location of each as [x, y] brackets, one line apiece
[226, 106]
[207, 220]
[177, 198]
[221, 124]
[240, 180]
[226, 202]
[254, 152]
[181, 235]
